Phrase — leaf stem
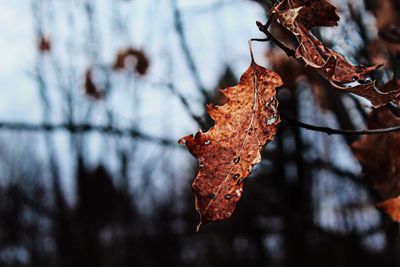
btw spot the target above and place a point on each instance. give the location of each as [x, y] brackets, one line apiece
[251, 52]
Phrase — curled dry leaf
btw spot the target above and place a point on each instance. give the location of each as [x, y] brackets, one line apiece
[299, 17]
[131, 58]
[380, 157]
[230, 149]
[378, 96]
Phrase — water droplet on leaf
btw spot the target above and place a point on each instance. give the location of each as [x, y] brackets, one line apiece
[228, 196]
[272, 120]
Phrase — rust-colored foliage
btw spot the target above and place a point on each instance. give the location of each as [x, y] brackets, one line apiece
[391, 207]
[292, 72]
[391, 34]
[299, 17]
[391, 86]
[44, 45]
[388, 24]
[132, 59]
[230, 149]
[387, 19]
[380, 158]
[91, 88]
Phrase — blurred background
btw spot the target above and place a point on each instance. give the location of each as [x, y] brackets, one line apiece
[94, 95]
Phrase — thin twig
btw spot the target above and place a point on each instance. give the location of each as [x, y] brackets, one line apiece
[331, 131]
[251, 52]
[259, 39]
[264, 28]
[185, 48]
[185, 103]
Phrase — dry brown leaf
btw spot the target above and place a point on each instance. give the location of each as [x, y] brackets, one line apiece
[391, 207]
[299, 17]
[292, 73]
[380, 157]
[378, 53]
[289, 69]
[131, 58]
[310, 13]
[230, 149]
[391, 34]
[44, 44]
[385, 12]
[391, 86]
[91, 88]
[378, 96]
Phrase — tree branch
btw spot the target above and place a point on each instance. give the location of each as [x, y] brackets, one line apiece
[85, 128]
[264, 28]
[331, 131]
[185, 48]
[185, 103]
[394, 108]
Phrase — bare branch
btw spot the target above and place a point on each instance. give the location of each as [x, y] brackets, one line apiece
[264, 28]
[185, 103]
[185, 48]
[331, 131]
[85, 128]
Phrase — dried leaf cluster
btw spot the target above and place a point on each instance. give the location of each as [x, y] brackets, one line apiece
[380, 158]
[248, 120]
[299, 17]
